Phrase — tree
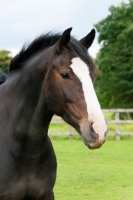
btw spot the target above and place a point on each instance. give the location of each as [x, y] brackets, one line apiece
[115, 59]
[5, 59]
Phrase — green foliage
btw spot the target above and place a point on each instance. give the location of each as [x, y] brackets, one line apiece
[4, 60]
[115, 59]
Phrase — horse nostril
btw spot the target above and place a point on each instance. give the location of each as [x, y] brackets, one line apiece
[93, 134]
[92, 129]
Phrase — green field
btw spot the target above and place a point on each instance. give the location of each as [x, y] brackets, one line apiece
[58, 128]
[102, 174]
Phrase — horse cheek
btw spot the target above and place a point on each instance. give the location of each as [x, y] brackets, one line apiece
[53, 97]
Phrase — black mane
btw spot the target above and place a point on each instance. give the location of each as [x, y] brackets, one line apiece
[37, 45]
[48, 40]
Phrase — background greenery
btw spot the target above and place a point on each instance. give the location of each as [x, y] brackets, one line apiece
[61, 128]
[101, 174]
[115, 59]
[5, 59]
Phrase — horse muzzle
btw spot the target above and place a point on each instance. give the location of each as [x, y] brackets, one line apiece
[92, 139]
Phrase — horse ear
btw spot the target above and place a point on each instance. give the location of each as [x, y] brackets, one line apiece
[64, 40]
[88, 39]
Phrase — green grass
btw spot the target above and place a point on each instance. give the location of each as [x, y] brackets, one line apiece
[123, 127]
[83, 174]
[108, 116]
[58, 127]
[61, 128]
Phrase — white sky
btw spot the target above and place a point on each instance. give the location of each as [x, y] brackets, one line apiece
[22, 20]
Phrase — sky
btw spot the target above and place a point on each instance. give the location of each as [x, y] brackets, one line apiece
[21, 21]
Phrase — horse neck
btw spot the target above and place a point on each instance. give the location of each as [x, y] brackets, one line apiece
[32, 116]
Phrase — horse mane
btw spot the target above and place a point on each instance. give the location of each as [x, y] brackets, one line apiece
[28, 50]
[45, 41]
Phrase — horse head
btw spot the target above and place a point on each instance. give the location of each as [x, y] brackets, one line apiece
[69, 90]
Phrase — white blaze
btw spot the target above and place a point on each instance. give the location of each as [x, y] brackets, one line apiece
[93, 107]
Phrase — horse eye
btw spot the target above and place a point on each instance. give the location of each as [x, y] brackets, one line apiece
[65, 75]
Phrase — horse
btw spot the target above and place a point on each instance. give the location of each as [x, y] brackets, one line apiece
[53, 74]
[3, 77]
